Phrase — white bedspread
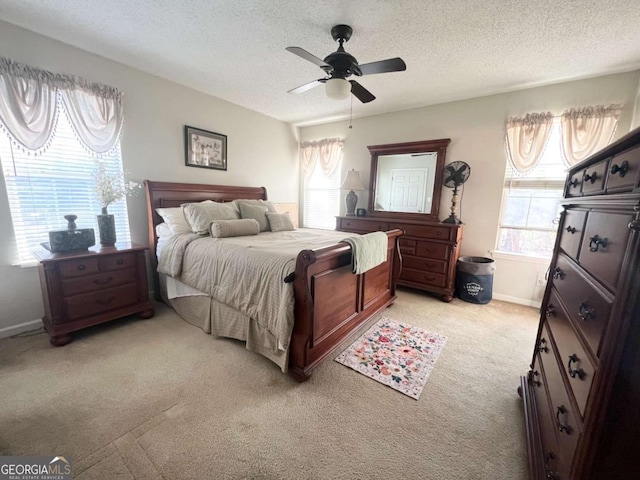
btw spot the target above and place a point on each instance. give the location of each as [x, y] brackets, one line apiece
[246, 273]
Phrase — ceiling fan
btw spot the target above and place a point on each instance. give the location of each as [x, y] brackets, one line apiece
[340, 65]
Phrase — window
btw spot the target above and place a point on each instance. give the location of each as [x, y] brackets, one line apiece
[321, 198]
[43, 188]
[531, 203]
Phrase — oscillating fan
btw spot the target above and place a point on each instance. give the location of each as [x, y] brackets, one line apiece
[455, 174]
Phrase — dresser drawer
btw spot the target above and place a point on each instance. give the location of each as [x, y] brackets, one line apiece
[587, 306]
[407, 247]
[87, 304]
[574, 185]
[424, 278]
[593, 180]
[363, 225]
[604, 244]
[623, 171]
[120, 261]
[566, 422]
[578, 368]
[571, 233]
[545, 421]
[78, 268]
[438, 251]
[75, 286]
[426, 264]
[424, 231]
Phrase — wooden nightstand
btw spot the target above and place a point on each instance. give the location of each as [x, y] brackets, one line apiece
[86, 288]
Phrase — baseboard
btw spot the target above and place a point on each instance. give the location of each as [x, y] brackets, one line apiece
[519, 301]
[20, 328]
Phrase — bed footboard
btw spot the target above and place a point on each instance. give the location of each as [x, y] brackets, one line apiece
[331, 302]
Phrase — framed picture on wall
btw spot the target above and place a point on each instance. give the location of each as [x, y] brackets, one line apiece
[205, 149]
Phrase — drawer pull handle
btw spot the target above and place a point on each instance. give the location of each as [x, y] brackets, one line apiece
[573, 372]
[574, 183]
[542, 347]
[81, 267]
[105, 301]
[533, 378]
[558, 274]
[620, 170]
[549, 473]
[596, 242]
[120, 261]
[571, 229]
[591, 178]
[562, 427]
[103, 282]
[550, 311]
[584, 312]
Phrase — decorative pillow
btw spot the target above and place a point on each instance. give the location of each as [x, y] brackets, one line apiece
[174, 217]
[200, 215]
[264, 203]
[163, 230]
[257, 212]
[279, 222]
[234, 228]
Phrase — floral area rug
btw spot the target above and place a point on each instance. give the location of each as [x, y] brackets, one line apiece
[398, 355]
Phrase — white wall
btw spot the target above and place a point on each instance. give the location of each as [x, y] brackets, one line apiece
[476, 128]
[261, 151]
[635, 123]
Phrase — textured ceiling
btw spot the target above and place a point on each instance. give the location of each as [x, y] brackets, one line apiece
[235, 49]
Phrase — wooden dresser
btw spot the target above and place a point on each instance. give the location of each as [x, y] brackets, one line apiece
[82, 289]
[582, 393]
[429, 250]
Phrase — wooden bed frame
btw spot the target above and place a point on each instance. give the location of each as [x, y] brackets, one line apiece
[330, 301]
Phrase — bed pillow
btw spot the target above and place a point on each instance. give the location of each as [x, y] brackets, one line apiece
[256, 212]
[264, 203]
[279, 222]
[200, 215]
[175, 219]
[234, 228]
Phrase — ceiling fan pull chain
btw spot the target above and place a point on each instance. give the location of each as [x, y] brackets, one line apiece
[351, 114]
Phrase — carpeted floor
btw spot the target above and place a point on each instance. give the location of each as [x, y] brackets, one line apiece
[158, 398]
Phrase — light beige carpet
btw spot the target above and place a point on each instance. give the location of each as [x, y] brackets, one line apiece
[159, 398]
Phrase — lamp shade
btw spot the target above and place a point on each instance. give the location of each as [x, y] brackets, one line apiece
[352, 181]
[337, 88]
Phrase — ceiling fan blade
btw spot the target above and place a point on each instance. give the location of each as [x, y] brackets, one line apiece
[307, 86]
[361, 93]
[383, 66]
[308, 56]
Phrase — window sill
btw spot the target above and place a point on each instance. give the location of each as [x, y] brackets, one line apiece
[519, 257]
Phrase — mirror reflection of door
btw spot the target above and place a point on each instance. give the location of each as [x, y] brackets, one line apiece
[407, 190]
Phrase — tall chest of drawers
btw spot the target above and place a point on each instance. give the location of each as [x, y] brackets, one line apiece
[429, 250]
[582, 392]
[82, 289]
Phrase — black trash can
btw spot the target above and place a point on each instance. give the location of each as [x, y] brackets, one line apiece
[474, 279]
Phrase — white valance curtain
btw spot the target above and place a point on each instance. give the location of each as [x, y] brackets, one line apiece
[526, 139]
[327, 152]
[29, 99]
[587, 130]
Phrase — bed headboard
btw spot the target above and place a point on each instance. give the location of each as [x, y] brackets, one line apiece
[168, 194]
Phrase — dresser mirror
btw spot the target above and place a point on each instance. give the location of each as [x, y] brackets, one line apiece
[406, 179]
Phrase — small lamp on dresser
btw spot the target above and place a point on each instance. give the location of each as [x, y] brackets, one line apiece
[352, 182]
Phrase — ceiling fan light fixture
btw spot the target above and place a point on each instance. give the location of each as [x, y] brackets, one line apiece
[338, 88]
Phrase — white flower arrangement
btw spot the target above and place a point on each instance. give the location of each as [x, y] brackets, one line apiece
[111, 187]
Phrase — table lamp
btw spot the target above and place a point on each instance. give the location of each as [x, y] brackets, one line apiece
[352, 182]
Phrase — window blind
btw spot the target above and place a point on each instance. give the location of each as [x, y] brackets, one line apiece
[321, 199]
[43, 188]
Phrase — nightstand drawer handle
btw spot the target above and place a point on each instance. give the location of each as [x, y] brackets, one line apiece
[596, 242]
[620, 170]
[574, 183]
[103, 282]
[571, 229]
[81, 267]
[120, 261]
[105, 301]
[542, 346]
[558, 274]
[573, 373]
[562, 427]
[591, 178]
[584, 312]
